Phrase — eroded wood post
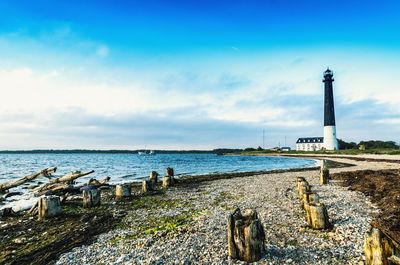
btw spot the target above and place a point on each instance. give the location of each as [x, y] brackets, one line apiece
[167, 181]
[317, 216]
[246, 236]
[310, 198]
[170, 173]
[146, 186]
[324, 176]
[303, 188]
[91, 197]
[153, 179]
[122, 190]
[48, 206]
[380, 249]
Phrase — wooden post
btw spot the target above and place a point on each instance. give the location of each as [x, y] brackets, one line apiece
[91, 197]
[146, 186]
[245, 236]
[379, 249]
[303, 188]
[317, 216]
[167, 181]
[324, 176]
[153, 179]
[170, 173]
[48, 206]
[310, 198]
[122, 190]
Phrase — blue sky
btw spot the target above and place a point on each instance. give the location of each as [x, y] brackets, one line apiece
[194, 74]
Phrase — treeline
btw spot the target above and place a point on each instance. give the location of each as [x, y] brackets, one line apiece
[84, 151]
[372, 144]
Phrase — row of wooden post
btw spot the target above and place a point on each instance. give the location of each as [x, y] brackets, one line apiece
[246, 234]
[316, 213]
[50, 206]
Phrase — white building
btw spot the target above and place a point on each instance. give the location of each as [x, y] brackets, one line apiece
[310, 144]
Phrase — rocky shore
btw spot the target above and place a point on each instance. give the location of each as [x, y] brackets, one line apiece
[187, 225]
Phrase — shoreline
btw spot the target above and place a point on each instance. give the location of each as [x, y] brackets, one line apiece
[144, 229]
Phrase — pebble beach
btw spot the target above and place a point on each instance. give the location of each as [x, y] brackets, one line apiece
[187, 224]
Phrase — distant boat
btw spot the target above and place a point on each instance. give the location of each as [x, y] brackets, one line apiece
[143, 153]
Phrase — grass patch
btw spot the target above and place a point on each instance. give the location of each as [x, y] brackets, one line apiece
[159, 226]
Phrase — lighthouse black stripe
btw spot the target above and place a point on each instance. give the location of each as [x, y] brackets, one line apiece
[329, 113]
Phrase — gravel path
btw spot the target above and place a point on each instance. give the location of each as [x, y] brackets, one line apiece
[187, 225]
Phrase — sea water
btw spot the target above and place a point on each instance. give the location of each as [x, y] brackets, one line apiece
[134, 167]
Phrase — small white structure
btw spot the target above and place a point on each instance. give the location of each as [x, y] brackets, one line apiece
[310, 144]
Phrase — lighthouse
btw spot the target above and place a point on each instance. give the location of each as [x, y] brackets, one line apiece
[330, 140]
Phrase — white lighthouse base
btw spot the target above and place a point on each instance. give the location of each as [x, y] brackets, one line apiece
[330, 140]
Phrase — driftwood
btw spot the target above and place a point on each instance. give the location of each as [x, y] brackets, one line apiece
[48, 206]
[95, 182]
[12, 184]
[62, 182]
[122, 190]
[317, 216]
[245, 236]
[91, 197]
[10, 194]
[379, 249]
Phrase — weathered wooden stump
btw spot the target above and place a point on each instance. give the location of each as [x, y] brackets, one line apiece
[48, 206]
[245, 236]
[310, 198]
[146, 186]
[324, 176]
[317, 216]
[303, 188]
[170, 173]
[379, 249]
[122, 190]
[91, 196]
[167, 181]
[153, 179]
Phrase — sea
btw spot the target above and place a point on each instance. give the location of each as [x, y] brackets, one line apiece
[131, 167]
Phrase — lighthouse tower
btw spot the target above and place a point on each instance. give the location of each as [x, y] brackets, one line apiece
[330, 140]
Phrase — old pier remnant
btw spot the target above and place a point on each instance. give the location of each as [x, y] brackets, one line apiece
[153, 179]
[324, 173]
[48, 206]
[122, 190]
[168, 179]
[380, 249]
[91, 196]
[246, 236]
[317, 216]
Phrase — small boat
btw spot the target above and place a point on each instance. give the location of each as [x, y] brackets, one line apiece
[142, 153]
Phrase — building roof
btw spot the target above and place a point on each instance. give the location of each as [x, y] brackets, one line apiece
[310, 140]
